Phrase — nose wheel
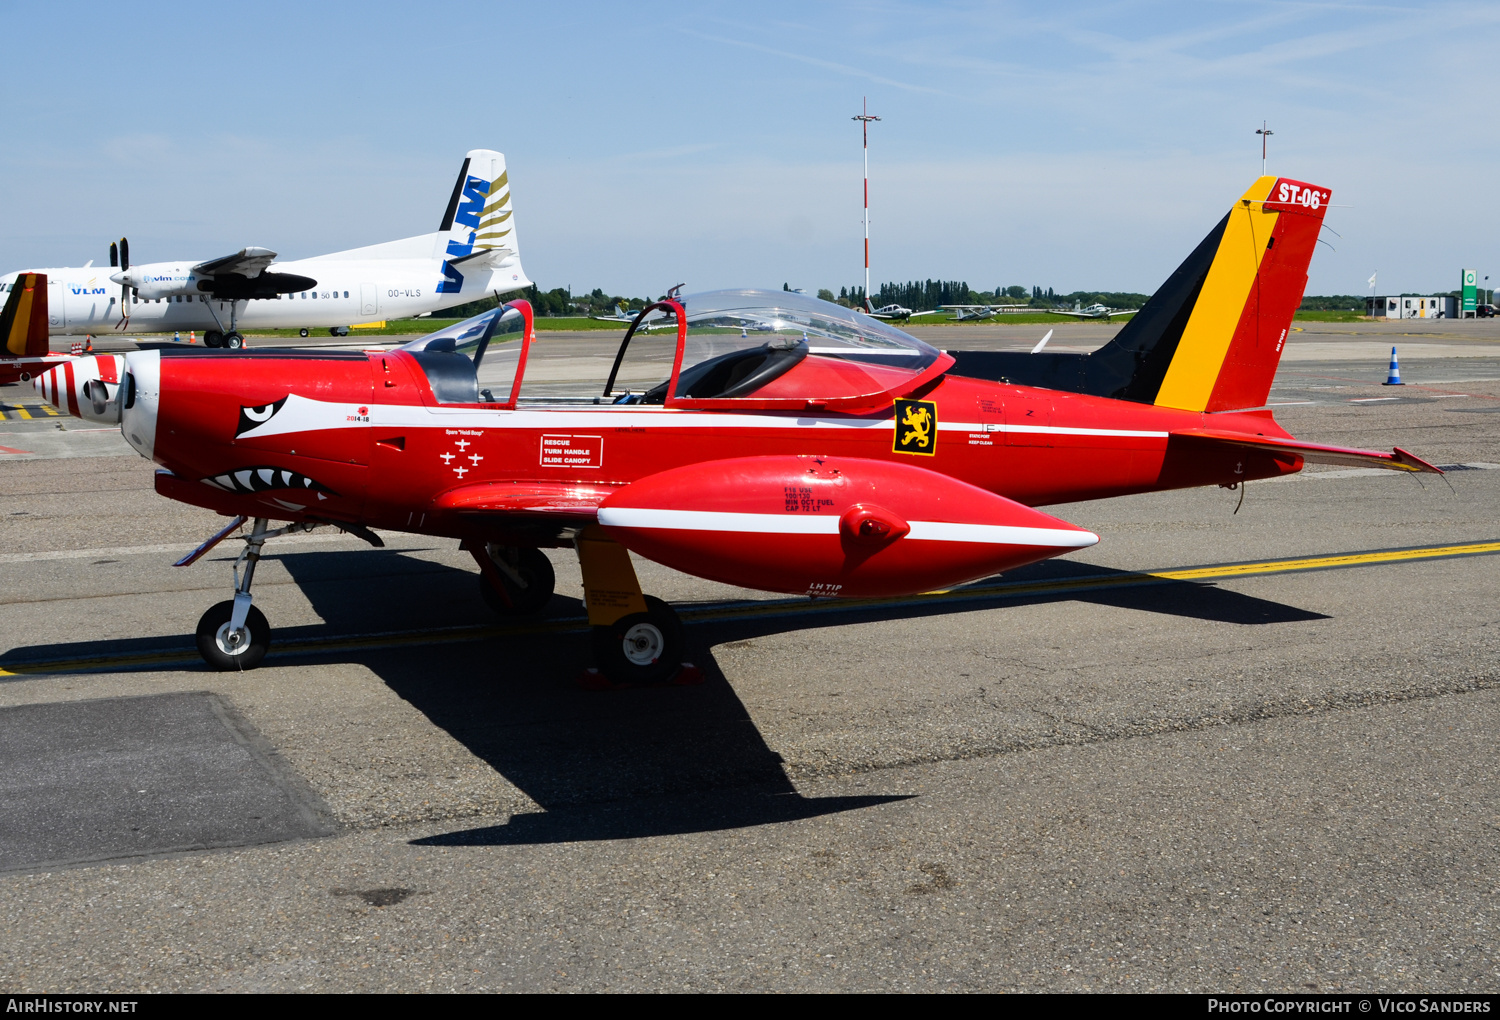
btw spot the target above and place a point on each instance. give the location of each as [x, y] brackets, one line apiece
[227, 646]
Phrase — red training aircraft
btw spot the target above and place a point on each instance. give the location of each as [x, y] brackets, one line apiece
[796, 445]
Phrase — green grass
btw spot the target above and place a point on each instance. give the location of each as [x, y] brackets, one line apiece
[1006, 319]
[421, 327]
[1329, 317]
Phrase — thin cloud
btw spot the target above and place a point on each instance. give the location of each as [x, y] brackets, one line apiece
[827, 65]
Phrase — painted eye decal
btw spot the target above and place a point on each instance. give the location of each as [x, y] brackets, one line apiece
[253, 417]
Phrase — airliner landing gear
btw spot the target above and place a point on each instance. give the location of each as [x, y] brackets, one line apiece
[213, 338]
[514, 581]
[637, 639]
[234, 634]
[233, 340]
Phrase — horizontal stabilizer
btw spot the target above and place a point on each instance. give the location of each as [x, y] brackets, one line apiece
[484, 258]
[1316, 453]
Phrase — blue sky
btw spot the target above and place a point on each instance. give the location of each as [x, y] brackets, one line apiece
[1070, 145]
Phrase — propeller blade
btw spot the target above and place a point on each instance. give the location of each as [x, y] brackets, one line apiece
[124, 322]
[1038, 348]
[114, 254]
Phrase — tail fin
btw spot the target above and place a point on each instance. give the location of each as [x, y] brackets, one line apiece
[1238, 307]
[1210, 338]
[478, 227]
[23, 321]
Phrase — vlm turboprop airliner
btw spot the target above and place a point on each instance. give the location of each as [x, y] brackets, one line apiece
[472, 254]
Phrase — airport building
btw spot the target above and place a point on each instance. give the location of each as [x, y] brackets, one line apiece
[1436, 306]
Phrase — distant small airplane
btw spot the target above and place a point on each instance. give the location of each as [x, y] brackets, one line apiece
[1094, 311]
[625, 315]
[893, 313]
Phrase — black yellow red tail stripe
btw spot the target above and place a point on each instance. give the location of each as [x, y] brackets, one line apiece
[23, 321]
[1211, 336]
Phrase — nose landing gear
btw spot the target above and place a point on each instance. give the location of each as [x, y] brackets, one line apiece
[234, 634]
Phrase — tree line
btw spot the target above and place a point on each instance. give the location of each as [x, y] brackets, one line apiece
[918, 295]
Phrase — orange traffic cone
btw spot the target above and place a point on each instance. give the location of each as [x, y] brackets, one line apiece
[192, 336]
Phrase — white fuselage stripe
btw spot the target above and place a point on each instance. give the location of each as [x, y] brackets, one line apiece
[301, 414]
[823, 524]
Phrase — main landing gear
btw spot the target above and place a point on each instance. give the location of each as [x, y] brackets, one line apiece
[232, 339]
[637, 639]
[513, 580]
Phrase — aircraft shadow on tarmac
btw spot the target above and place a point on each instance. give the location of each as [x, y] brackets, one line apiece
[618, 764]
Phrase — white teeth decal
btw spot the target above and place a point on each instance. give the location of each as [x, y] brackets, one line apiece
[263, 479]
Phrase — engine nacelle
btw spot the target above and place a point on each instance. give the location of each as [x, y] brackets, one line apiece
[831, 526]
[158, 280]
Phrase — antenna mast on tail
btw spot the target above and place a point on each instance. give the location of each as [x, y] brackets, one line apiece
[864, 128]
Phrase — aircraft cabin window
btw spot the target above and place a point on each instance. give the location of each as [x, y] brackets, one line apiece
[346, 293]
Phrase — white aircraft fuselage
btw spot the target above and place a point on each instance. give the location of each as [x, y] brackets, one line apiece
[350, 290]
[472, 255]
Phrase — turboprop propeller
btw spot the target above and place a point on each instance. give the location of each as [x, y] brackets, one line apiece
[119, 256]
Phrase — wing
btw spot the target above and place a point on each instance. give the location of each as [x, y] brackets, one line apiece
[1316, 453]
[935, 311]
[245, 262]
[1076, 315]
[553, 501]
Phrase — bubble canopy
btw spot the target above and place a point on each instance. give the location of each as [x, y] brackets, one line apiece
[733, 348]
[825, 324]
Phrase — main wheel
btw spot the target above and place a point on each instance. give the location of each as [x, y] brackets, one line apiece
[213, 338]
[642, 648]
[302, 332]
[338, 330]
[225, 651]
[536, 570]
[233, 341]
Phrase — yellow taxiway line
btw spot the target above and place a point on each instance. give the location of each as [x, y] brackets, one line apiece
[786, 607]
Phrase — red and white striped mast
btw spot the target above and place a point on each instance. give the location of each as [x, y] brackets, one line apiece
[864, 119]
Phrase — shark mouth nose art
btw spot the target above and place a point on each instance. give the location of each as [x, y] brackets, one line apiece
[265, 479]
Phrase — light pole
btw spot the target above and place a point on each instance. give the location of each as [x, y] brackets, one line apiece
[864, 119]
[1264, 133]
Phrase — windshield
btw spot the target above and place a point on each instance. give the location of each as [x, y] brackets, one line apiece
[472, 360]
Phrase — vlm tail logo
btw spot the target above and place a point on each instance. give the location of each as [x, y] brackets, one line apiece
[471, 205]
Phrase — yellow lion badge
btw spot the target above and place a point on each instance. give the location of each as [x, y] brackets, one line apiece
[916, 427]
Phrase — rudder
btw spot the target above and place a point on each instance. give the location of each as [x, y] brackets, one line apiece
[23, 321]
